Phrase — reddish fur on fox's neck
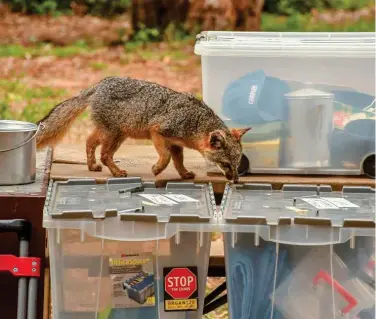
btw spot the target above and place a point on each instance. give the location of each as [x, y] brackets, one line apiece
[200, 144]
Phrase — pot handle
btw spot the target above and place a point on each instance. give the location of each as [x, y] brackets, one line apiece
[24, 143]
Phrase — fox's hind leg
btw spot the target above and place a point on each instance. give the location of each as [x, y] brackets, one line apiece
[110, 144]
[177, 158]
[92, 142]
[163, 149]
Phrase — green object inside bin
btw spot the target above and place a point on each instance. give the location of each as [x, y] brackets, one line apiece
[105, 313]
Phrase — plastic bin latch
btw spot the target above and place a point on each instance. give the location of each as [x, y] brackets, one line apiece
[325, 276]
[20, 266]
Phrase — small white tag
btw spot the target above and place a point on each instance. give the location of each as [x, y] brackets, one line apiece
[340, 202]
[158, 199]
[180, 198]
[319, 203]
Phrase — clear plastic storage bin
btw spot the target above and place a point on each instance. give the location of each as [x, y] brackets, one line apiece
[303, 252]
[309, 98]
[128, 250]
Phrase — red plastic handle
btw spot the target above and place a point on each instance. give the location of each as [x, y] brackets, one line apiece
[322, 274]
[20, 266]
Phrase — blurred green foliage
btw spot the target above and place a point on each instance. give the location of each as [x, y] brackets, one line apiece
[291, 7]
[42, 49]
[142, 37]
[39, 101]
[303, 23]
[103, 8]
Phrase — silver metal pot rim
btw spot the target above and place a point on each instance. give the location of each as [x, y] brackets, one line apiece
[9, 126]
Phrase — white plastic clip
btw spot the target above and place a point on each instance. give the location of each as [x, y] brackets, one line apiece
[257, 237]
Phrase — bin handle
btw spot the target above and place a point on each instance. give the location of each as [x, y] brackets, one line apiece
[352, 302]
[21, 227]
[24, 143]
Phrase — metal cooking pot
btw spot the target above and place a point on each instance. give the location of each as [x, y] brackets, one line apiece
[310, 127]
[17, 152]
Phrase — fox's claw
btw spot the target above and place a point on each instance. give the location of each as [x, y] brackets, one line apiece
[188, 175]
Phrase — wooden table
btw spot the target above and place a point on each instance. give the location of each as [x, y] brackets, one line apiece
[24, 202]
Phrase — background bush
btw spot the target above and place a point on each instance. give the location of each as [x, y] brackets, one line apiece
[289, 7]
[95, 7]
[113, 7]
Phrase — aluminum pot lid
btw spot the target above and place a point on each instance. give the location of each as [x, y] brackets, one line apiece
[16, 126]
[308, 93]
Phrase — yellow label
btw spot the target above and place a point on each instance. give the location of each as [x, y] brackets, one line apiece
[150, 300]
[184, 304]
[129, 262]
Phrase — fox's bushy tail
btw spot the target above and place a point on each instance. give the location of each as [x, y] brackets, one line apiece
[56, 123]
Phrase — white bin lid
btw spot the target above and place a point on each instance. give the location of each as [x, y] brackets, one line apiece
[263, 44]
[259, 204]
[127, 200]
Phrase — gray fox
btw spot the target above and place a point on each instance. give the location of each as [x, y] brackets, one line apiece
[126, 107]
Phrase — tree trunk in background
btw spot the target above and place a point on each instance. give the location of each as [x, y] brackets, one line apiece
[248, 14]
[241, 15]
[158, 13]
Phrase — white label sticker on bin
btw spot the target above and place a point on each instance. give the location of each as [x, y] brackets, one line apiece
[319, 203]
[180, 198]
[159, 199]
[340, 202]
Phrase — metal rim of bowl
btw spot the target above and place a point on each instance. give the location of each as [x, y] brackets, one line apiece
[16, 126]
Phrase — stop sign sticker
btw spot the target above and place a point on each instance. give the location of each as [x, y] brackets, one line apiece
[180, 286]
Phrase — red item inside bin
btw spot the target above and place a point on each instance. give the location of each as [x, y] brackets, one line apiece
[322, 274]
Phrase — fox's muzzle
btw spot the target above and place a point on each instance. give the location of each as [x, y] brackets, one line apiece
[232, 176]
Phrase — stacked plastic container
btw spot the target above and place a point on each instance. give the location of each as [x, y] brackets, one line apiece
[106, 241]
[309, 98]
[302, 252]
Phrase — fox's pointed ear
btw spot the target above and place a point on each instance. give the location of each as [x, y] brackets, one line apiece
[239, 132]
[217, 139]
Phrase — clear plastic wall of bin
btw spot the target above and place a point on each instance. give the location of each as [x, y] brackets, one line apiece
[294, 261]
[82, 286]
[266, 279]
[114, 246]
[309, 98]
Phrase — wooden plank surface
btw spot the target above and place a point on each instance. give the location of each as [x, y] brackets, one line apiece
[70, 162]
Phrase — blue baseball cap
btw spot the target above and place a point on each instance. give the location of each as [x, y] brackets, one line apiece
[255, 99]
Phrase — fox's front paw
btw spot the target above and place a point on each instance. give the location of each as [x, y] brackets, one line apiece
[95, 168]
[187, 175]
[121, 173]
[156, 170]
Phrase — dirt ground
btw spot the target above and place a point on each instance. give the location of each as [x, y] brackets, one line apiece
[170, 64]
[79, 72]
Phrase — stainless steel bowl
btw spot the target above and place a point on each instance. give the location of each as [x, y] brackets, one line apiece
[17, 152]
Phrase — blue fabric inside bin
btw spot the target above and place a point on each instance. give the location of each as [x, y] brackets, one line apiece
[251, 271]
[255, 99]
